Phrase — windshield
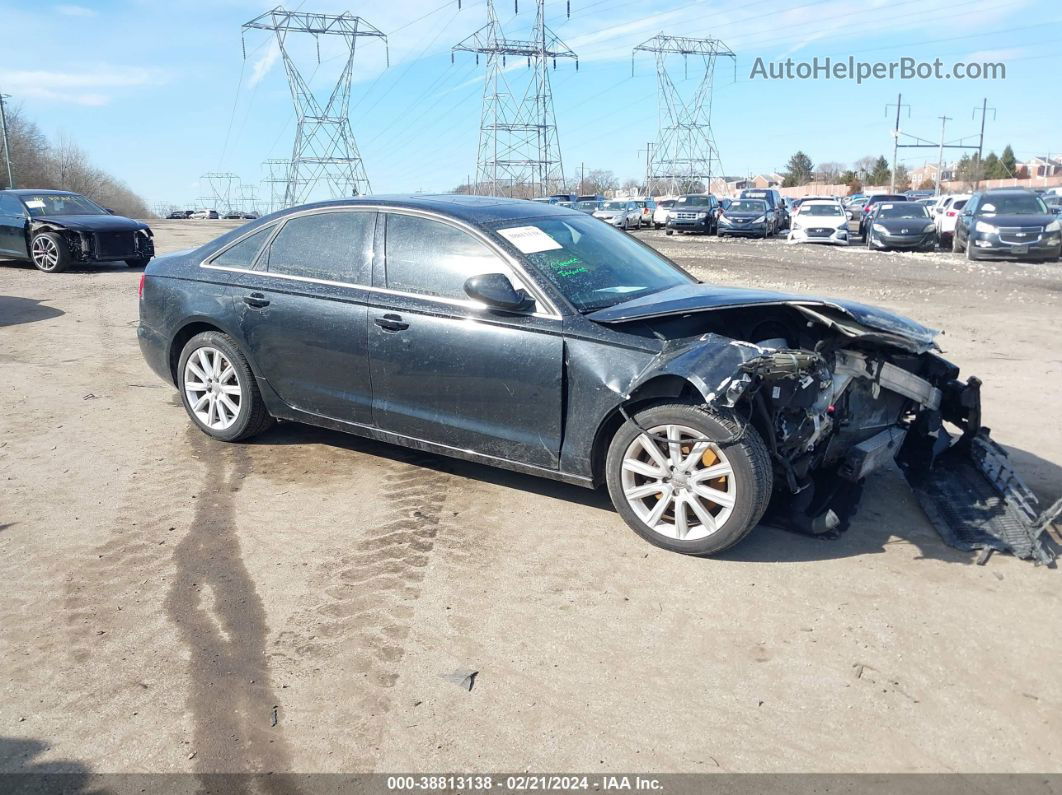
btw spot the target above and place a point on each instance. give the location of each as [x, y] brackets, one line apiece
[615, 206]
[588, 205]
[591, 263]
[60, 204]
[747, 206]
[820, 209]
[665, 204]
[1013, 204]
[904, 210]
[695, 201]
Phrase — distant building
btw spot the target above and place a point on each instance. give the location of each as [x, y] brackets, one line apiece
[1042, 166]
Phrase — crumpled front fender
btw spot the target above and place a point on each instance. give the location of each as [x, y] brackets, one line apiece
[711, 364]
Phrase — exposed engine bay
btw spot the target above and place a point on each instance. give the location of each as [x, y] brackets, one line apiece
[834, 399]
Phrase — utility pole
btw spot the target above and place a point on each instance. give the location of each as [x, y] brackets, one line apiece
[940, 153]
[324, 152]
[981, 140]
[582, 179]
[648, 165]
[518, 141]
[896, 139]
[685, 149]
[7, 144]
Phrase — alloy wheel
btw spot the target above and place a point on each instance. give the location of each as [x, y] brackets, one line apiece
[678, 483]
[212, 388]
[45, 253]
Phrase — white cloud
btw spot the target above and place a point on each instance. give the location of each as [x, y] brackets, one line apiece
[75, 11]
[83, 87]
[261, 67]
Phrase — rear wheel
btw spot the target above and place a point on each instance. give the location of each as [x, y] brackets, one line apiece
[688, 480]
[49, 252]
[218, 389]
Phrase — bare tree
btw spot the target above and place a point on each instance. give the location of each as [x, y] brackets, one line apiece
[65, 166]
[830, 172]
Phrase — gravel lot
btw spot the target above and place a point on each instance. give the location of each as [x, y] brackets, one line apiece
[164, 599]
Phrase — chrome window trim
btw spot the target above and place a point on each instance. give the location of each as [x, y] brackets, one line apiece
[272, 226]
[514, 264]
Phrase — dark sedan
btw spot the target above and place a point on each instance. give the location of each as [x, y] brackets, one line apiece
[538, 339]
[750, 217]
[55, 229]
[901, 225]
[1013, 224]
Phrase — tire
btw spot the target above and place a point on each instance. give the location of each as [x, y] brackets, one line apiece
[656, 225]
[49, 253]
[970, 255]
[955, 247]
[251, 416]
[748, 481]
[138, 263]
[669, 232]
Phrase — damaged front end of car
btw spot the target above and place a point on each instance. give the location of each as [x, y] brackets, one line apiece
[838, 390]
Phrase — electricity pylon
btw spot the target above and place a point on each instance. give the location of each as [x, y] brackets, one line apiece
[685, 151]
[519, 151]
[324, 152]
[277, 180]
[224, 190]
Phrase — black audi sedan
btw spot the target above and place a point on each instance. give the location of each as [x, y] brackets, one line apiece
[55, 229]
[535, 338]
[900, 225]
[1013, 224]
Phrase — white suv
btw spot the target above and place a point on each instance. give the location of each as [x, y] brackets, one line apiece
[945, 213]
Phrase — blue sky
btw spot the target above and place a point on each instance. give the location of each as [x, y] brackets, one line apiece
[158, 93]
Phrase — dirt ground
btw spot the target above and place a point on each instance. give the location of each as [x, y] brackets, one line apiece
[166, 599]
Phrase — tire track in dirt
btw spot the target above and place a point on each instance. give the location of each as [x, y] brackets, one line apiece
[221, 619]
[369, 600]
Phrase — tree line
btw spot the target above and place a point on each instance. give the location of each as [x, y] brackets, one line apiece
[37, 162]
[870, 170]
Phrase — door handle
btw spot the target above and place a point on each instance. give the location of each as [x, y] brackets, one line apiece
[257, 300]
[391, 322]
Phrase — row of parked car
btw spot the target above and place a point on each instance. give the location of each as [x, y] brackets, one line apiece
[1005, 223]
[758, 213]
[235, 215]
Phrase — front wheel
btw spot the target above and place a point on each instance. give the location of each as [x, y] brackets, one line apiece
[971, 252]
[687, 479]
[50, 253]
[669, 232]
[956, 247]
[218, 388]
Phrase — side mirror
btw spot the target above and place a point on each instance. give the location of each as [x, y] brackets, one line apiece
[495, 290]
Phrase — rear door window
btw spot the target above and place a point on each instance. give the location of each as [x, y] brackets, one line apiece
[244, 253]
[429, 257]
[329, 246]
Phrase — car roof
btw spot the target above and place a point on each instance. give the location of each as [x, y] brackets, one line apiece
[32, 192]
[471, 209]
[1009, 192]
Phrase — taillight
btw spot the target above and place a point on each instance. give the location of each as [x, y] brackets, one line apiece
[951, 213]
[140, 289]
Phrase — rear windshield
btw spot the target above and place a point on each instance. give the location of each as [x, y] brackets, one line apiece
[876, 199]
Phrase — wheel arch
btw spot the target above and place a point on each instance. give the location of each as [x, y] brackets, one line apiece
[666, 387]
[191, 328]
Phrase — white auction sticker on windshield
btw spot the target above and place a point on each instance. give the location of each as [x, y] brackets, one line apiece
[34, 203]
[529, 239]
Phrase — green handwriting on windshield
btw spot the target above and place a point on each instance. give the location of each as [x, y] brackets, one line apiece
[566, 268]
